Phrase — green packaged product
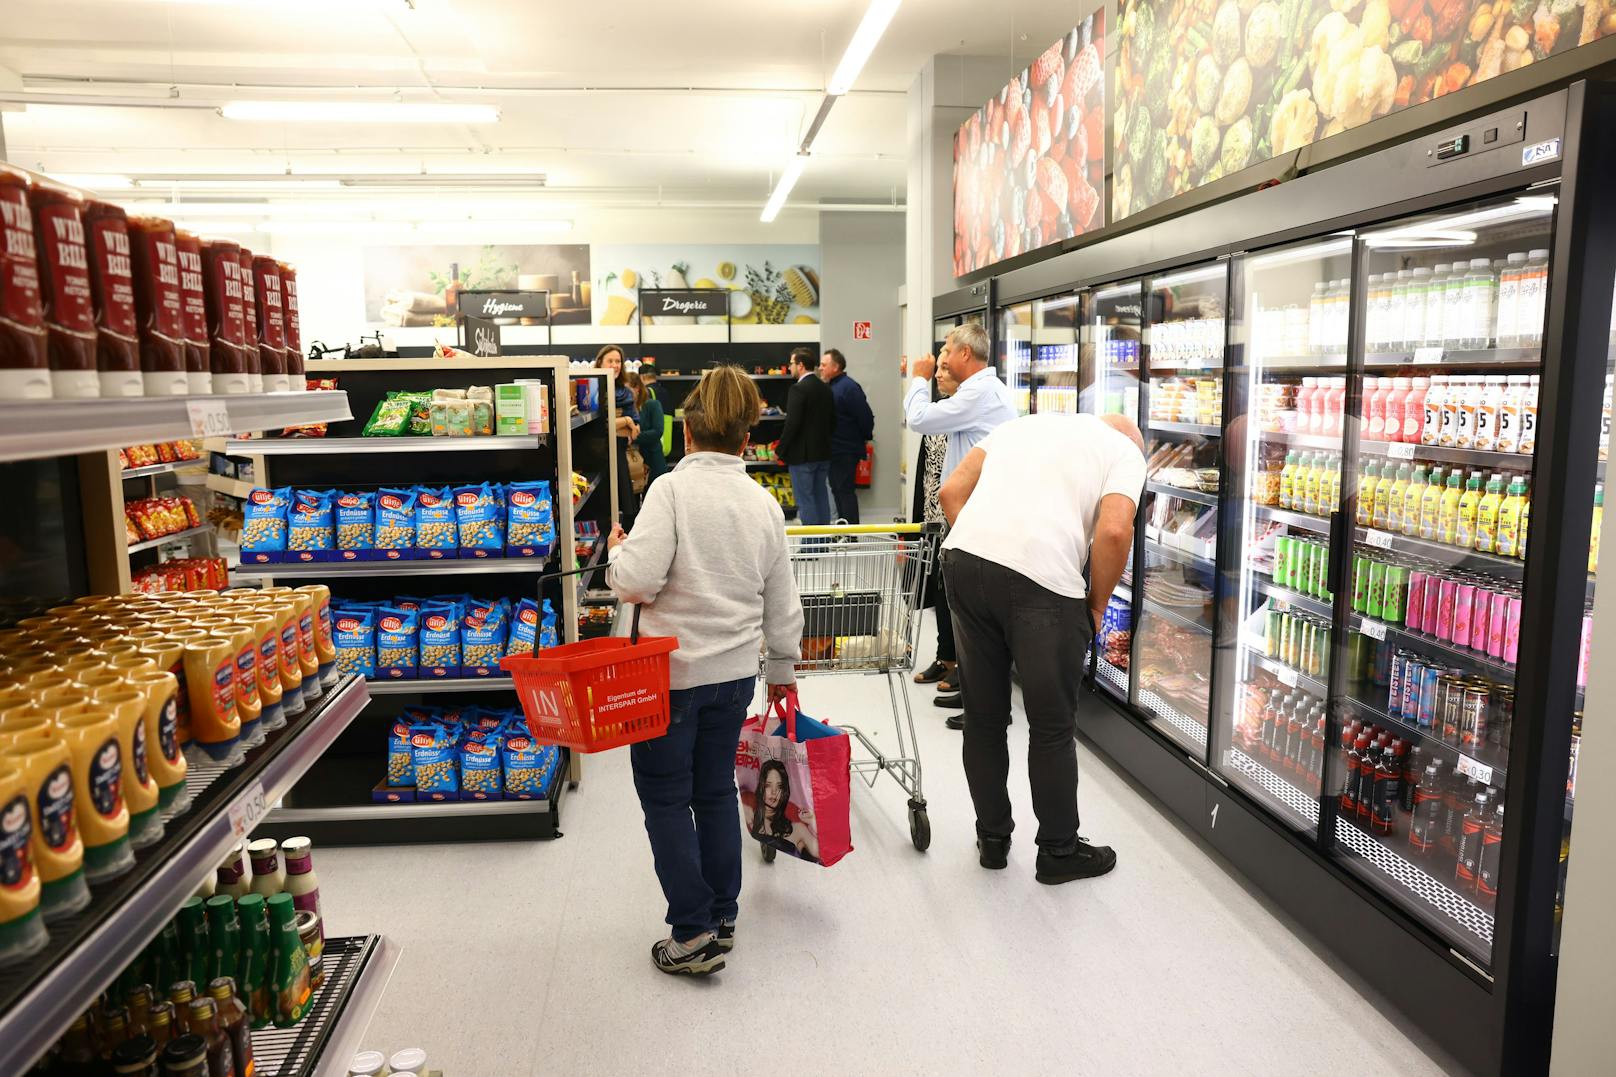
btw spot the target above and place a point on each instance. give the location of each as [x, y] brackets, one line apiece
[224, 934]
[196, 954]
[289, 976]
[255, 955]
[390, 419]
[420, 421]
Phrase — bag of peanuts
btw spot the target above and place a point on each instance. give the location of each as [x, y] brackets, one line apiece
[440, 640]
[483, 634]
[263, 526]
[397, 643]
[311, 532]
[480, 512]
[437, 761]
[480, 772]
[395, 524]
[437, 523]
[356, 526]
[353, 631]
[529, 520]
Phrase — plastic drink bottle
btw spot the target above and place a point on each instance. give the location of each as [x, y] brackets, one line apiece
[1383, 497]
[1509, 288]
[1335, 402]
[1479, 301]
[1604, 422]
[1487, 514]
[1528, 439]
[1374, 314]
[1509, 518]
[1400, 312]
[1485, 435]
[1464, 432]
[1465, 534]
[1453, 393]
[1453, 307]
[1448, 514]
[1593, 534]
[1396, 398]
[1304, 406]
[1414, 411]
[1310, 483]
[1394, 500]
[1531, 299]
[1413, 496]
[1419, 287]
[1287, 481]
[1526, 518]
[1431, 332]
[1509, 414]
[1368, 479]
[1431, 505]
[1375, 407]
[1431, 423]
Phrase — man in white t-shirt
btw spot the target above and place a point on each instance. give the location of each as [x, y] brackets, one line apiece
[1031, 505]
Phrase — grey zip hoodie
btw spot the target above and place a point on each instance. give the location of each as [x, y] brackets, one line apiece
[707, 559]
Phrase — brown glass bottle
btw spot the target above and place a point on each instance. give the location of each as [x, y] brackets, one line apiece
[78, 1053]
[162, 1025]
[181, 993]
[186, 1056]
[136, 1057]
[139, 1000]
[113, 1025]
[205, 1023]
[233, 1018]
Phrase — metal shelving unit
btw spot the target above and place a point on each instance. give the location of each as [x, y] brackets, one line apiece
[1183, 494]
[189, 532]
[1445, 454]
[583, 418]
[1293, 598]
[1205, 430]
[350, 446]
[1318, 525]
[40, 997]
[441, 685]
[594, 484]
[336, 570]
[1456, 557]
[357, 972]
[159, 469]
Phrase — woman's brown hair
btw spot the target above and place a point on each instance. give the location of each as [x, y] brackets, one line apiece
[631, 380]
[601, 355]
[722, 409]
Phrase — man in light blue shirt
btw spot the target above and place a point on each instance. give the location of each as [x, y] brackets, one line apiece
[981, 404]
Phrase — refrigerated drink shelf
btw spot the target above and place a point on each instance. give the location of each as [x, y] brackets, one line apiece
[1287, 675]
[1455, 357]
[1432, 647]
[1296, 802]
[1447, 454]
[1333, 362]
[1319, 525]
[1484, 769]
[1210, 500]
[1294, 598]
[1166, 711]
[1205, 430]
[1176, 617]
[1300, 440]
[1177, 553]
[1507, 568]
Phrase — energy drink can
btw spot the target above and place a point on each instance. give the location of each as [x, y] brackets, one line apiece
[1450, 700]
[1273, 631]
[1408, 707]
[1444, 609]
[1394, 685]
[1414, 601]
[1464, 605]
[1429, 678]
[1391, 603]
[1433, 603]
[1360, 583]
[1282, 553]
[1377, 588]
[1473, 718]
[1479, 615]
[1512, 628]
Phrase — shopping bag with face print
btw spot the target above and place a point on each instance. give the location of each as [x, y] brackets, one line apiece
[793, 774]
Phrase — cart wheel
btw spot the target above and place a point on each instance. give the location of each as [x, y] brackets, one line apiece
[920, 828]
[769, 852]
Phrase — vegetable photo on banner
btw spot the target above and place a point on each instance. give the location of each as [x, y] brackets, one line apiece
[794, 779]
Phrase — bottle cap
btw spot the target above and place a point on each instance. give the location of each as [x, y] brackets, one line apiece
[184, 1051]
[408, 1058]
[367, 1064]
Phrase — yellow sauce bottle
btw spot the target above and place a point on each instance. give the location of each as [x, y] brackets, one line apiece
[307, 654]
[1465, 532]
[54, 844]
[1509, 518]
[325, 643]
[164, 754]
[91, 735]
[1413, 495]
[210, 678]
[249, 708]
[139, 787]
[1448, 514]
[1368, 479]
[1487, 515]
[1431, 505]
[291, 669]
[1394, 500]
[266, 629]
[22, 929]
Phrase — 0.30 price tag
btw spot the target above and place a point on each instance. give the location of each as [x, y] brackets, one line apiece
[1379, 539]
[248, 810]
[1471, 768]
[209, 418]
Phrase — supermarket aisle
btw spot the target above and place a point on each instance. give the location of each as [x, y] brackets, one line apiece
[533, 958]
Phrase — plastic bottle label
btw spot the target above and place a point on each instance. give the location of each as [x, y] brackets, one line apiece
[15, 829]
[106, 779]
[56, 810]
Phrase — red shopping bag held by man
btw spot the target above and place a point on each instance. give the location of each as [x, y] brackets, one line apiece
[794, 778]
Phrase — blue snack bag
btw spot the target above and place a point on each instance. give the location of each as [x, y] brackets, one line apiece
[437, 763]
[263, 526]
[480, 768]
[481, 515]
[440, 640]
[397, 643]
[437, 526]
[355, 518]
[400, 757]
[353, 632]
[529, 520]
[483, 634]
[395, 524]
[311, 532]
[528, 765]
[524, 631]
[549, 634]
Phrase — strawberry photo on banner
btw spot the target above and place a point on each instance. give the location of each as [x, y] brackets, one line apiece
[794, 782]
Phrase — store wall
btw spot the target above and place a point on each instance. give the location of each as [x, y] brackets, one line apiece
[862, 262]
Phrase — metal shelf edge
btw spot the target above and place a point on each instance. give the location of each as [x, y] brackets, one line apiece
[152, 544]
[322, 570]
[349, 446]
[353, 1020]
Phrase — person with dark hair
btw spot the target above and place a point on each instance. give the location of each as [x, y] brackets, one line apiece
[804, 446]
[771, 823]
[707, 563]
[649, 440]
[855, 426]
[610, 358]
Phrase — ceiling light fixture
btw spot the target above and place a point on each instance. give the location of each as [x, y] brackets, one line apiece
[865, 38]
[357, 112]
[276, 181]
[92, 181]
[788, 180]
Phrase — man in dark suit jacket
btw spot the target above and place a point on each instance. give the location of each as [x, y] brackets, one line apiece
[855, 425]
[805, 444]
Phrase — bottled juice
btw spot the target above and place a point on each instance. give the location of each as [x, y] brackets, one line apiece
[1287, 482]
[1394, 500]
[1526, 518]
[1396, 397]
[1480, 300]
[1432, 334]
[1374, 314]
[1593, 534]
[1310, 483]
[1509, 287]
[1453, 307]
[1430, 505]
[1414, 411]
[1334, 500]
[1315, 319]
[1464, 433]
[1401, 311]
[1335, 403]
[1528, 438]
[1368, 479]
[1374, 407]
[1419, 288]
[1306, 402]
[1531, 300]
[1487, 515]
[1413, 496]
[1509, 415]
[1508, 541]
[1435, 400]
[1465, 533]
[1448, 513]
[1488, 411]
[1383, 496]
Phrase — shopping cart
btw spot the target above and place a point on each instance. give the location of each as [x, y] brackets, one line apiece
[860, 589]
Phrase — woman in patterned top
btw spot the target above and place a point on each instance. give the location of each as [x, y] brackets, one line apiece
[933, 447]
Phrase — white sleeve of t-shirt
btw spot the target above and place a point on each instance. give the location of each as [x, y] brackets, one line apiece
[1126, 475]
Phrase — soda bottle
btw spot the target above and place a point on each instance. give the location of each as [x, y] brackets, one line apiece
[1469, 852]
[1368, 479]
[1414, 411]
[1448, 514]
[1368, 763]
[1374, 407]
[1492, 845]
[1270, 715]
[1431, 505]
[1487, 515]
[1465, 532]
[1528, 438]
[1413, 495]
[1287, 482]
[1385, 797]
[1460, 792]
[1315, 765]
[1394, 500]
[1507, 543]
[1349, 792]
[1424, 826]
[1413, 768]
[1435, 402]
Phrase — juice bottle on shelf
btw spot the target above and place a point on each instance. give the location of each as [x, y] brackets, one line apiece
[1488, 409]
[1400, 312]
[1604, 422]
[1311, 475]
[1431, 336]
[1528, 438]
[1509, 414]
[1374, 407]
[1335, 403]
[1453, 307]
[1368, 479]
[1419, 289]
[1435, 401]
[1394, 500]
[1448, 514]
[1464, 433]
[1287, 482]
[1395, 399]
[1383, 496]
[1413, 496]
[1509, 290]
[1340, 299]
[1315, 319]
[1526, 518]
[1487, 514]
[1333, 501]
[1465, 532]
[1531, 300]
[1304, 405]
[1414, 410]
[1509, 518]
[1593, 534]
[1479, 303]
[1431, 505]
[1374, 314]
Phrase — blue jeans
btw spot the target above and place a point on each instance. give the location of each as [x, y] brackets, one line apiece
[686, 783]
[810, 487]
[844, 486]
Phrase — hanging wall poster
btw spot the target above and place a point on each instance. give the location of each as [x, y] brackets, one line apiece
[1029, 166]
[770, 284]
[418, 285]
[1203, 89]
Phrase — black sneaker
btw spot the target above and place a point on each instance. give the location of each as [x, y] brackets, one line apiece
[993, 853]
[946, 700]
[703, 962]
[955, 721]
[725, 935]
[1084, 862]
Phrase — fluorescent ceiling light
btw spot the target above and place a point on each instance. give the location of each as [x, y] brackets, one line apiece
[1190, 276]
[202, 227]
[788, 180]
[1302, 254]
[865, 38]
[192, 209]
[93, 181]
[303, 228]
[472, 225]
[245, 183]
[357, 112]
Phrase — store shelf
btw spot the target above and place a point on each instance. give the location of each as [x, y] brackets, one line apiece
[357, 970]
[1295, 804]
[1456, 557]
[33, 429]
[335, 570]
[594, 484]
[1292, 598]
[40, 996]
[1205, 430]
[1178, 554]
[1192, 732]
[240, 489]
[1301, 441]
[1480, 459]
[584, 418]
[1335, 362]
[189, 532]
[353, 446]
[1427, 738]
[1318, 525]
[1111, 677]
[159, 469]
[1431, 647]
[590, 562]
[1183, 494]
[1439, 359]
[1176, 616]
[441, 685]
[1288, 676]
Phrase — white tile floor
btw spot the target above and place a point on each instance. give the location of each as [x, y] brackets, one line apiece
[533, 958]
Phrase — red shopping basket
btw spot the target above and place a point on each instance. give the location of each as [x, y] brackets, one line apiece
[596, 694]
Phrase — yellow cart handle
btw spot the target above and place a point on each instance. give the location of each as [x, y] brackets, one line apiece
[859, 529]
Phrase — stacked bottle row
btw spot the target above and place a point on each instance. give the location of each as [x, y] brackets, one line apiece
[1308, 482]
[1313, 406]
[1187, 400]
[1471, 713]
[1187, 342]
[1495, 413]
[1459, 305]
[1466, 610]
[1297, 639]
[1488, 515]
[1287, 735]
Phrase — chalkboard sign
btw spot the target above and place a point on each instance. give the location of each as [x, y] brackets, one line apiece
[481, 336]
[710, 302]
[506, 305]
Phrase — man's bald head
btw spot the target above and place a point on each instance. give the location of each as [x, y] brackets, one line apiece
[1127, 427]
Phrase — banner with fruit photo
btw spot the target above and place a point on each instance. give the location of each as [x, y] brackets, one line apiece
[769, 283]
[1204, 88]
[1029, 166]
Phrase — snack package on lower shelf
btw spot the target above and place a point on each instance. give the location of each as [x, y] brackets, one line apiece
[464, 753]
[154, 517]
[183, 574]
[447, 636]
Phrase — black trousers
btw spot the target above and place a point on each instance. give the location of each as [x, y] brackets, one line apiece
[842, 488]
[1002, 618]
[946, 650]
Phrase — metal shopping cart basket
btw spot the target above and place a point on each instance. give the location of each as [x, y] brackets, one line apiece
[861, 588]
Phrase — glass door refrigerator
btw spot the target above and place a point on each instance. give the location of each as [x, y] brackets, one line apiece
[1111, 350]
[1016, 353]
[1056, 368]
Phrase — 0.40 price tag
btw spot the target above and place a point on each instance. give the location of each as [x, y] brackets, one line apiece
[209, 418]
[248, 810]
[1372, 628]
[1378, 539]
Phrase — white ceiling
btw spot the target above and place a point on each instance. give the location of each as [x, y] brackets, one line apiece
[623, 102]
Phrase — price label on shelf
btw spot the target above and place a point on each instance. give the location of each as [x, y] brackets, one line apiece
[1400, 450]
[1287, 676]
[1427, 356]
[248, 810]
[209, 418]
[1471, 768]
[1379, 539]
[1372, 628]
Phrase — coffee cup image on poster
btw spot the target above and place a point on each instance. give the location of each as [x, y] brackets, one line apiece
[420, 285]
[1203, 89]
[777, 805]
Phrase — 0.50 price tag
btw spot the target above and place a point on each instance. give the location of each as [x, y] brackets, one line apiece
[1400, 450]
[248, 810]
[209, 418]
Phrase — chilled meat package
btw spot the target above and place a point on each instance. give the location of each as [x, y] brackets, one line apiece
[193, 312]
[112, 294]
[158, 302]
[64, 272]
[271, 321]
[227, 324]
[24, 362]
